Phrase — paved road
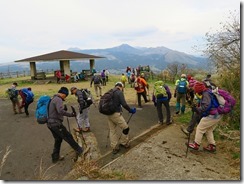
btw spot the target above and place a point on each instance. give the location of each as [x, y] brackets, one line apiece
[32, 144]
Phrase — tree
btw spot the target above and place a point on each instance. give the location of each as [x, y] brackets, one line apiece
[223, 49]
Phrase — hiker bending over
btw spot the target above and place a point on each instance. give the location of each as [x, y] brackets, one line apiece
[209, 120]
[162, 95]
[13, 93]
[27, 98]
[83, 109]
[116, 119]
[180, 94]
[55, 125]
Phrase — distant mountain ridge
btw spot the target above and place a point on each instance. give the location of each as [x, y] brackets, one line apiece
[158, 57]
[118, 58]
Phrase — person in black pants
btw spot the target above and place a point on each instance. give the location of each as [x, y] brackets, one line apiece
[56, 112]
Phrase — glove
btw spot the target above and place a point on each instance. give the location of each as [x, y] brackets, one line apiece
[65, 107]
[194, 109]
[132, 110]
[81, 111]
[73, 114]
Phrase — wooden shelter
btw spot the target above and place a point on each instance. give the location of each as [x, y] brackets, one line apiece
[64, 57]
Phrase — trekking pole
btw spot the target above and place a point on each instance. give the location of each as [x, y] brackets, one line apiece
[107, 139]
[188, 141]
[68, 124]
[65, 108]
[80, 132]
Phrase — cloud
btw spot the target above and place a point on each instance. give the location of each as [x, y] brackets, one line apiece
[41, 26]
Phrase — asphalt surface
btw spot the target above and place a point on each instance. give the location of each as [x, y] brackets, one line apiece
[31, 144]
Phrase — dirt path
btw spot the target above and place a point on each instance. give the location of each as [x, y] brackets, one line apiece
[160, 157]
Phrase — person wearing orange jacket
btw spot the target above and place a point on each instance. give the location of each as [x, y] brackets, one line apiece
[140, 87]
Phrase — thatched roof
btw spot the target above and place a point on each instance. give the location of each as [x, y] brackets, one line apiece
[59, 55]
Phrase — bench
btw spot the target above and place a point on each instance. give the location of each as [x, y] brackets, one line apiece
[40, 75]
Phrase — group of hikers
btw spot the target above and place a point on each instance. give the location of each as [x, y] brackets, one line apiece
[26, 95]
[186, 89]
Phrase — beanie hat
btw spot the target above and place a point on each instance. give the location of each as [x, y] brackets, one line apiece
[72, 89]
[119, 84]
[64, 90]
[199, 87]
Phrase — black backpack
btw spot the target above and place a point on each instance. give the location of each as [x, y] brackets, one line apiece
[106, 104]
[87, 96]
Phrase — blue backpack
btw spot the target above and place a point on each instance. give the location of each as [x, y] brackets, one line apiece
[29, 95]
[181, 87]
[42, 109]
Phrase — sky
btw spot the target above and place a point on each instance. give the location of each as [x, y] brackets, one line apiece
[35, 27]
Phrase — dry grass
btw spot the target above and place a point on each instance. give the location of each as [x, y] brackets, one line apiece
[42, 173]
[5, 156]
[90, 170]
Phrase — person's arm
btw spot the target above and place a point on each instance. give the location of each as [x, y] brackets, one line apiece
[60, 108]
[80, 100]
[122, 101]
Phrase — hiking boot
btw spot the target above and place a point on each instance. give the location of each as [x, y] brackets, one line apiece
[193, 145]
[177, 112]
[61, 158]
[115, 150]
[78, 129]
[210, 148]
[184, 130]
[87, 129]
[160, 122]
[127, 145]
[168, 122]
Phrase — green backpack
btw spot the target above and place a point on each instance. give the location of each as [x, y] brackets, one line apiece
[159, 89]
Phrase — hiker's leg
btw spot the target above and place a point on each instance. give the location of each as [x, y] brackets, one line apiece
[112, 130]
[159, 111]
[183, 104]
[26, 109]
[79, 120]
[57, 142]
[100, 89]
[204, 124]
[144, 94]
[14, 106]
[209, 132]
[86, 118]
[166, 104]
[124, 137]
[177, 107]
[96, 90]
[64, 134]
[139, 99]
[195, 120]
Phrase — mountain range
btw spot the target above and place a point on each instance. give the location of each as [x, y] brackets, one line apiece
[116, 59]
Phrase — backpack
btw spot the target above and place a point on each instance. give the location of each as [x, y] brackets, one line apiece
[181, 87]
[159, 89]
[96, 79]
[42, 109]
[87, 96]
[226, 101]
[138, 85]
[212, 109]
[106, 104]
[12, 93]
[29, 95]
